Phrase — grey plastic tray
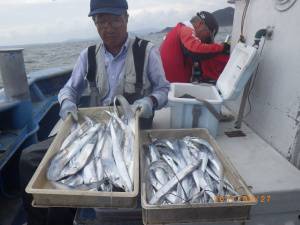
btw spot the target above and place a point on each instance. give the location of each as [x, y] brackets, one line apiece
[194, 213]
[45, 194]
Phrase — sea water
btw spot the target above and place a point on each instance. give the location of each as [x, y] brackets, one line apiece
[64, 54]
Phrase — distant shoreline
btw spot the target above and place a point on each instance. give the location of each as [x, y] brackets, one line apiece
[163, 31]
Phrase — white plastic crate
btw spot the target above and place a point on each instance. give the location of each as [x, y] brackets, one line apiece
[190, 113]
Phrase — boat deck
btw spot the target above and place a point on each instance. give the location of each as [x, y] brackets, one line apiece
[274, 181]
[18, 130]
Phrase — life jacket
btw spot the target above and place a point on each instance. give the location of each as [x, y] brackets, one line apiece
[178, 68]
[212, 68]
[135, 84]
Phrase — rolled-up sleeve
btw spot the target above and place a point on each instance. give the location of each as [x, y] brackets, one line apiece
[77, 83]
[156, 75]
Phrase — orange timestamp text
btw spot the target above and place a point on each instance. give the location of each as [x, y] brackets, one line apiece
[262, 199]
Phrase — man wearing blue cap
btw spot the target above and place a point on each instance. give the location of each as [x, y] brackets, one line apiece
[118, 65]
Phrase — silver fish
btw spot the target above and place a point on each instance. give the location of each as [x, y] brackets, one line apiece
[217, 166]
[73, 181]
[126, 136]
[89, 173]
[119, 159]
[76, 133]
[168, 186]
[109, 165]
[167, 158]
[127, 110]
[99, 156]
[162, 170]
[62, 158]
[161, 173]
[79, 160]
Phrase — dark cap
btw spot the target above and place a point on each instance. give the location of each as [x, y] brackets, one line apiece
[116, 7]
[210, 21]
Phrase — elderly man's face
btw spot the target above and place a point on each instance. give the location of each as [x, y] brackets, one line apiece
[112, 29]
[203, 33]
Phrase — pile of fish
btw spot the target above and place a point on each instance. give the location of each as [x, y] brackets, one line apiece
[98, 156]
[182, 171]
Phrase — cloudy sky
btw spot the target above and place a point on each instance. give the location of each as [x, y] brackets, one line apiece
[39, 21]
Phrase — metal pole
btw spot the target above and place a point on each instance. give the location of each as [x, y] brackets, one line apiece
[12, 69]
[239, 121]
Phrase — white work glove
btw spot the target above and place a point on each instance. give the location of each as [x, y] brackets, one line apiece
[145, 105]
[67, 107]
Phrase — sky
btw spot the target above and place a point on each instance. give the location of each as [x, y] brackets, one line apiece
[44, 21]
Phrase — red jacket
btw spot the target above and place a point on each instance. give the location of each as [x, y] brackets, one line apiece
[181, 47]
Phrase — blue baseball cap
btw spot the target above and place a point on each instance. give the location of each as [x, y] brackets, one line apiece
[116, 7]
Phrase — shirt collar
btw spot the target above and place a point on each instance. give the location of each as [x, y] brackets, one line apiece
[123, 49]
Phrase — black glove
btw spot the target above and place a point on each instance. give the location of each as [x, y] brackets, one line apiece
[226, 49]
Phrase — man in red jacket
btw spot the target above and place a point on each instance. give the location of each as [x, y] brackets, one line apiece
[191, 42]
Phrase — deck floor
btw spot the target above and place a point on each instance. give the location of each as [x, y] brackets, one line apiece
[260, 165]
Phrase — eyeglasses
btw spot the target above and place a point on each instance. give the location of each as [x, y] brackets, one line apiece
[114, 22]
